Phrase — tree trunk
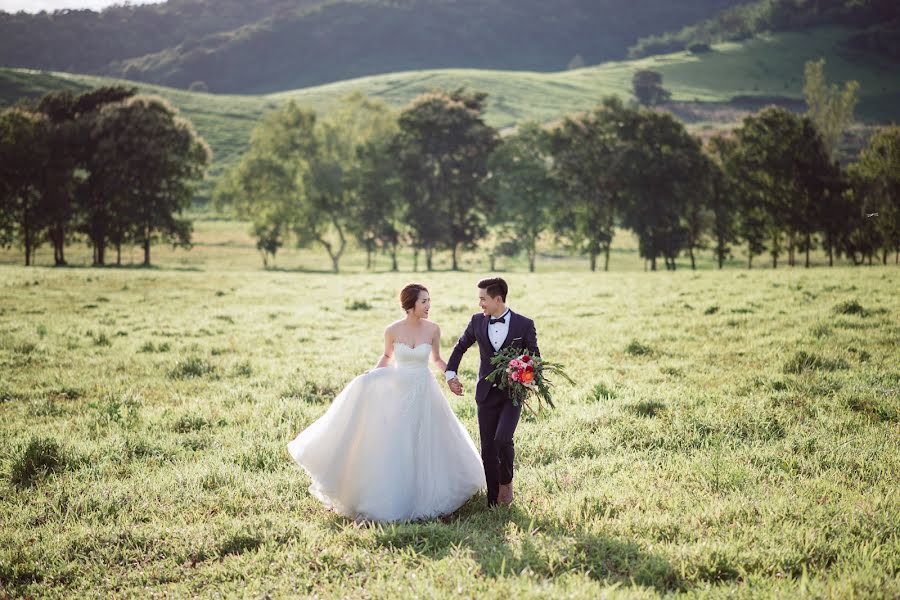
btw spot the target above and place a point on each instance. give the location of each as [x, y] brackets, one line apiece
[429, 255]
[394, 266]
[147, 251]
[791, 250]
[808, 244]
[492, 259]
[593, 261]
[532, 255]
[26, 230]
[884, 255]
[606, 257]
[693, 261]
[749, 261]
[653, 263]
[368, 257]
[119, 254]
[99, 241]
[830, 254]
[453, 253]
[415, 260]
[58, 238]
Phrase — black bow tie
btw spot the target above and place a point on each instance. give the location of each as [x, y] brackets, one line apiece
[500, 320]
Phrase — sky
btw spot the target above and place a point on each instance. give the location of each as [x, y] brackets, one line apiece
[34, 6]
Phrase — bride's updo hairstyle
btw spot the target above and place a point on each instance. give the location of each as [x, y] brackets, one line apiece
[409, 295]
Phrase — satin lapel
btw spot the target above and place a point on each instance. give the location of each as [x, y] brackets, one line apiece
[481, 333]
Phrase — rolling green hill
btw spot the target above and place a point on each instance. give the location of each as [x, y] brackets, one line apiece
[705, 86]
[257, 46]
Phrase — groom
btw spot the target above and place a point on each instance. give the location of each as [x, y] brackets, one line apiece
[495, 328]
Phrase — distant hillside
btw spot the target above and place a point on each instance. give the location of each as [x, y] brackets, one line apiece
[85, 41]
[710, 91]
[878, 22]
[270, 45]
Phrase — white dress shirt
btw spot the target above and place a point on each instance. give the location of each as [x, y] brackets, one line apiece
[497, 333]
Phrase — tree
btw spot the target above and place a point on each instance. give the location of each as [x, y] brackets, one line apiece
[330, 193]
[829, 108]
[155, 157]
[442, 151]
[721, 196]
[661, 165]
[62, 171]
[24, 155]
[782, 157]
[587, 154]
[97, 193]
[266, 186]
[523, 189]
[876, 179]
[376, 210]
[648, 89]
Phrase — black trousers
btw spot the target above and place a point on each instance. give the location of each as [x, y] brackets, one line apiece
[497, 421]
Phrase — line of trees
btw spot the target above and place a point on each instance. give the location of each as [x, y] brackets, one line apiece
[436, 178]
[108, 166]
[113, 168]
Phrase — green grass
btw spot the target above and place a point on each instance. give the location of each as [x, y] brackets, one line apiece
[222, 244]
[767, 66]
[749, 451]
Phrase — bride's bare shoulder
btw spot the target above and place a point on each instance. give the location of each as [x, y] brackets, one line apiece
[432, 326]
[393, 327]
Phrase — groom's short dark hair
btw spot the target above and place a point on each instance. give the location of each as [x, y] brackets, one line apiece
[494, 286]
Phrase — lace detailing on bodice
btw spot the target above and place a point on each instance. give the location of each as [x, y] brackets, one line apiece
[411, 357]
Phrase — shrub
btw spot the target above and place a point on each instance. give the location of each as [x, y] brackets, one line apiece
[40, 457]
[804, 361]
[191, 368]
[635, 348]
[188, 423]
[647, 408]
[357, 305]
[601, 392]
[850, 307]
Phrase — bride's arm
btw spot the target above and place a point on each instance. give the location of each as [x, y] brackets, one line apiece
[388, 349]
[436, 351]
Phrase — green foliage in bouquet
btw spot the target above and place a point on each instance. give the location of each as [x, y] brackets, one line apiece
[521, 374]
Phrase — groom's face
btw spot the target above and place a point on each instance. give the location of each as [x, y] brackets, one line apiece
[489, 305]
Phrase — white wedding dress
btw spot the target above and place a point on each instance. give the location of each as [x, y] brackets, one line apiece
[390, 448]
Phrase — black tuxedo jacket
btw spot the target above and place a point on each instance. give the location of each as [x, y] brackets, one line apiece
[521, 335]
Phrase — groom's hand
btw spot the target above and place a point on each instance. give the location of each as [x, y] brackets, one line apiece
[455, 386]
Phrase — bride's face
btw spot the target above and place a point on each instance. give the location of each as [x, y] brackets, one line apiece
[423, 305]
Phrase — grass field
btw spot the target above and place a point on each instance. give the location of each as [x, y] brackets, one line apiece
[223, 244]
[769, 66]
[732, 433]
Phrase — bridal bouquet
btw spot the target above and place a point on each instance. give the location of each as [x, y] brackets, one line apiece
[523, 375]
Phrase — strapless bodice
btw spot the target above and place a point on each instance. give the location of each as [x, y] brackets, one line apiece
[405, 356]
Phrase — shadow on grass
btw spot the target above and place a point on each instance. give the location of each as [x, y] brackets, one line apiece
[508, 541]
[128, 267]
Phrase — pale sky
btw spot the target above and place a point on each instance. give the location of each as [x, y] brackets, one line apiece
[34, 6]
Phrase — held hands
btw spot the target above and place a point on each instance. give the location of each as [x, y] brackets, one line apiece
[455, 386]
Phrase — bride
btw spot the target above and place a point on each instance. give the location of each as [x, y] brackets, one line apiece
[389, 448]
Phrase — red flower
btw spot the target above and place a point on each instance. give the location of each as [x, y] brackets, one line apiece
[529, 369]
[525, 358]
